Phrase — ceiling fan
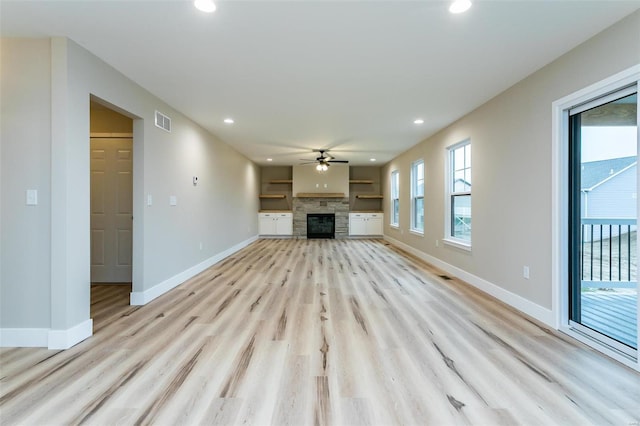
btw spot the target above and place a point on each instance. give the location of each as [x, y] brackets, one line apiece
[323, 160]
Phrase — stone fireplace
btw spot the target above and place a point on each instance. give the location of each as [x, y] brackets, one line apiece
[314, 205]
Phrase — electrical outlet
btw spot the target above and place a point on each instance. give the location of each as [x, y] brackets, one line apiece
[200, 246]
[437, 243]
[525, 272]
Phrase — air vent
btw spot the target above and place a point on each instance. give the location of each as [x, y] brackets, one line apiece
[163, 121]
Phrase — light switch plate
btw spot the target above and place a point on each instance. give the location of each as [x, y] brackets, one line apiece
[32, 197]
[173, 200]
[149, 199]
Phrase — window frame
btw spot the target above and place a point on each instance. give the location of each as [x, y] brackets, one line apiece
[415, 196]
[451, 194]
[395, 199]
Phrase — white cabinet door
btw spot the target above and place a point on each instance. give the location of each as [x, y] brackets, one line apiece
[374, 224]
[284, 224]
[275, 223]
[365, 223]
[266, 223]
[357, 224]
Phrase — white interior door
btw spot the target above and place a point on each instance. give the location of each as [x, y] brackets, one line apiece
[111, 209]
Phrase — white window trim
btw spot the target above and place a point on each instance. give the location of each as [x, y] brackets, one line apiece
[412, 229]
[457, 243]
[397, 194]
[448, 238]
[559, 205]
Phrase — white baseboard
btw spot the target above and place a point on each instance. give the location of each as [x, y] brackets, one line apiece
[24, 337]
[45, 337]
[144, 297]
[518, 302]
[64, 339]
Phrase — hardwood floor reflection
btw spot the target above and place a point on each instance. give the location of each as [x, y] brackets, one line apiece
[317, 332]
[108, 303]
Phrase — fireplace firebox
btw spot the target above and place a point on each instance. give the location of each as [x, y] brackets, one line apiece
[321, 225]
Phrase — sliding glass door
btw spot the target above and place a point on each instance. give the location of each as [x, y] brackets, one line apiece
[603, 207]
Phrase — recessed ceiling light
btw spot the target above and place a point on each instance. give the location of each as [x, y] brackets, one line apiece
[459, 6]
[207, 6]
[229, 120]
[372, 159]
[269, 159]
[418, 121]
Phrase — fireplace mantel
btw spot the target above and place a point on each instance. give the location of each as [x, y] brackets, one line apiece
[320, 195]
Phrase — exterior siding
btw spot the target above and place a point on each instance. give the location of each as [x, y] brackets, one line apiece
[616, 198]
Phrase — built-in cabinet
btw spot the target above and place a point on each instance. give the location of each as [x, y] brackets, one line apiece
[364, 197]
[275, 223]
[365, 224]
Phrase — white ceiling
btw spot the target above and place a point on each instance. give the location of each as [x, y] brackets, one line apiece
[298, 75]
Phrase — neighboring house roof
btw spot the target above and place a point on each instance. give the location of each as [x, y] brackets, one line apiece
[464, 182]
[595, 173]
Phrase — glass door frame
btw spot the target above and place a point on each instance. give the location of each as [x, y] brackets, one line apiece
[560, 212]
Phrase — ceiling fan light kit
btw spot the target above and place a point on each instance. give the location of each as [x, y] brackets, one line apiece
[322, 162]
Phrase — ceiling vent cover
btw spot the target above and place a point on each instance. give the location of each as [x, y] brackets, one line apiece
[163, 121]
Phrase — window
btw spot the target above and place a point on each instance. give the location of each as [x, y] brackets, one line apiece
[458, 220]
[395, 199]
[417, 196]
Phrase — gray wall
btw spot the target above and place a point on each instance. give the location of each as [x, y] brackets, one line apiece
[336, 179]
[104, 120]
[46, 89]
[25, 152]
[511, 140]
[372, 173]
[270, 173]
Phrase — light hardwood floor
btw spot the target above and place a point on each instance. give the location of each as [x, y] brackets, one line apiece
[296, 332]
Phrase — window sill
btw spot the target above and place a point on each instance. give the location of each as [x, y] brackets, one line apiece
[394, 225]
[463, 245]
[416, 232]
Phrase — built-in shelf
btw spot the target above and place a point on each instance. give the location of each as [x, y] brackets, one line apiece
[372, 197]
[320, 195]
[360, 181]
[281, 181]
[273, 196]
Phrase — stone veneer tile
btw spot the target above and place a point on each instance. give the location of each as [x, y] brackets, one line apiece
[337, 206]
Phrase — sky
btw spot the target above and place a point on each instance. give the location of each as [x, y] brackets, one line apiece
[602, 143]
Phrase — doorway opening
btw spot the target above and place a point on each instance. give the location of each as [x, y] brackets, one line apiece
[111, 210]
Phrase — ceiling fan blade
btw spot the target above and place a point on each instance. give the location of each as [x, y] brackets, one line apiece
[338, 161]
